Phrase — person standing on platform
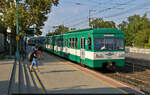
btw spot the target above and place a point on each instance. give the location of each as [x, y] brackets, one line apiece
[35, 57]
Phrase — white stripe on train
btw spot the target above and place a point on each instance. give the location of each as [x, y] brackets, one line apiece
[89, 54]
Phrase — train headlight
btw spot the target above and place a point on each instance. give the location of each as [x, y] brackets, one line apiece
[121, 54]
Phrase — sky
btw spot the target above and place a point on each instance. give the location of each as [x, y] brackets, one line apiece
[75, 13]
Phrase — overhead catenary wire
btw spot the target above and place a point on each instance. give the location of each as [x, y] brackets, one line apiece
[81, 20]
[129, 10]
[104, 10]
[70, 17]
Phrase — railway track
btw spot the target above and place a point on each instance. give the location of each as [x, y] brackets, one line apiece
[134, 74]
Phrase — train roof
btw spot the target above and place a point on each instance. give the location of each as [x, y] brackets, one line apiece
[93, 30]
[97, 30]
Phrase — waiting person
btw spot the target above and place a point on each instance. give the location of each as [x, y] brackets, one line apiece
[34, 56]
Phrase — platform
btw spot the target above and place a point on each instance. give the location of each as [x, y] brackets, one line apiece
[62, 76]
[58, 76]
[6, 66]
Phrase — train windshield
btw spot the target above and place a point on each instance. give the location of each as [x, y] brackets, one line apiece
[108, 44]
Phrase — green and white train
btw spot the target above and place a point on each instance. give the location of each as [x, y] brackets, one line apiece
[92, 47]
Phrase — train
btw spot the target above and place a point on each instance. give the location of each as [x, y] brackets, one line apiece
[95, 48]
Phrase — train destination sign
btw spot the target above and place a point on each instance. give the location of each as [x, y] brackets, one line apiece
[108, 35]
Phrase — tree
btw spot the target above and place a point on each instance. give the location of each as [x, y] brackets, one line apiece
[31, 12]
[100, 23]
[60, 30]
[73, 29]
[136, 30]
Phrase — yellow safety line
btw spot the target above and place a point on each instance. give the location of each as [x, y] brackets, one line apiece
[97, 78]
[36, 79]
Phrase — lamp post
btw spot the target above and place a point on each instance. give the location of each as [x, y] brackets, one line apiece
[17, 36]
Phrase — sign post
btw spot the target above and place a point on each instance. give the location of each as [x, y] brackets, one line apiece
[17, 37]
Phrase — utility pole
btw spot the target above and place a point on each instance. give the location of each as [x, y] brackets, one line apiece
[90, 18]
[17, 35]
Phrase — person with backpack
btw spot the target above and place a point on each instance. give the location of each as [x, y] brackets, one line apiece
[34, 57]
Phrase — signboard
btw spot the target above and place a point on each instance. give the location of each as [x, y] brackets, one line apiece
[17, 37]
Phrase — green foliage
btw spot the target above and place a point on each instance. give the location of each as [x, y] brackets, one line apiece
[73, 29]
[142, 38]
[31, 13]
[148, 44]
[100, 23]
[137, 31]
[60, 30]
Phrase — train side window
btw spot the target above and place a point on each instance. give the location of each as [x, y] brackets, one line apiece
[69, 42]
[83, 43]
[73, 43]
[61, 42]
[65, 41]
[76, 42]
[56, 42]
[89, 43]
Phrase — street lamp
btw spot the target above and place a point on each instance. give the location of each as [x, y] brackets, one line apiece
[17, 36]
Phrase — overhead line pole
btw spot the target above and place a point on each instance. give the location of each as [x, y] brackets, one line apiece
[90, 18]
[17, 36]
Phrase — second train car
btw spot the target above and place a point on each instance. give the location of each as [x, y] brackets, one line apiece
[94, 48]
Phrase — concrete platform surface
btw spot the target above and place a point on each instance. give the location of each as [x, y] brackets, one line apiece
[6, 66]
[61, 76]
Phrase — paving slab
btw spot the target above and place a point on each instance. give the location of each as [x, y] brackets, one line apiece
[6, 66]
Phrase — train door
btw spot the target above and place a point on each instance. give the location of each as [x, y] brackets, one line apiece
[82, 49]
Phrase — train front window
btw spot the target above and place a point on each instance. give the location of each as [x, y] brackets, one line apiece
[119, 44]
[108, 44]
